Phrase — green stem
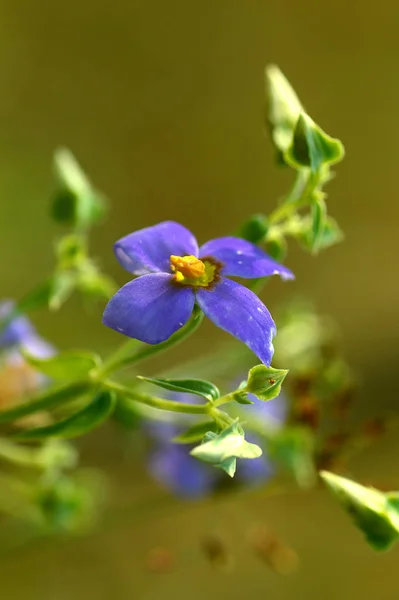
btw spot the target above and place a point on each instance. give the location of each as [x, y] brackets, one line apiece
[155, 402]
[51, 399]
[224, 399]
[299, 196]
[130, 354]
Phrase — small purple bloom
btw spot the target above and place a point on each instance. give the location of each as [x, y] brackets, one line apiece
[19, 333]
[174, 274]
[173, 466]
[17, 378]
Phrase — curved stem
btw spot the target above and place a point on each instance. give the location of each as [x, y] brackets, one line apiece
[133, 352]
[305, 184]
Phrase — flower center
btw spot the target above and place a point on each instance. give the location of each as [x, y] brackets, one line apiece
[190, 270]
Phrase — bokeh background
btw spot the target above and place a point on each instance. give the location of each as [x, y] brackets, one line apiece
[162, 103]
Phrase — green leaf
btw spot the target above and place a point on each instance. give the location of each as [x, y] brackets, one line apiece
[265, 382]
[284, 108]
[372, 511]
[222, 449]
[254, 229]
[75, 201]
[312, 147]
[293, 449]
[80, 423]
[195, 433]
[206, 389]
[72, 364]
[62, 286]
[51, 399]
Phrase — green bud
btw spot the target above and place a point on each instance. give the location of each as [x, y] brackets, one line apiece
[277, 247]
[254, 229]
[311, 147]
[265, 382]
[75, 202]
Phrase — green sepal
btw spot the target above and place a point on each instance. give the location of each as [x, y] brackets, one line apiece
[199, 387]
[222, 449]
[51, 399]
[78, 424]
[72, 364]
[265, 382]
[241, 397]
[283, 108]
[75, 202]
[254, 229]
[373, 512]
[311, 147]
[195, 433]
[319, 214]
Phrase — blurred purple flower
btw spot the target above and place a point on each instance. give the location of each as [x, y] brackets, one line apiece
[172, 278]
[173, 466]
[17, 378]
[19, 333]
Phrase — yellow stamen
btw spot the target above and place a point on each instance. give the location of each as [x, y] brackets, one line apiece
[186, 266]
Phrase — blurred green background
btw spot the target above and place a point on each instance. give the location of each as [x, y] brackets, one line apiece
[162, 103]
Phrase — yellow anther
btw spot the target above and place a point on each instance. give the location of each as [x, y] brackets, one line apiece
[186, 266]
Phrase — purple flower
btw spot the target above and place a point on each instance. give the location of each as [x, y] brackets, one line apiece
[173, 466]
[17, 378]
[19, 333]
[174, 274]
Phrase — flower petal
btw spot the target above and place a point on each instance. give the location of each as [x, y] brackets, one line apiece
[149, 308]
[148, 250]
[243, 259]
[172, 465]
[239, 311]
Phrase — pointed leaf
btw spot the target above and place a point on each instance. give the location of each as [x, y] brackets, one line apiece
[72, 364]
[80, 423]
[265, 382]
[199, 387]
[284, 108]
[372, 511]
